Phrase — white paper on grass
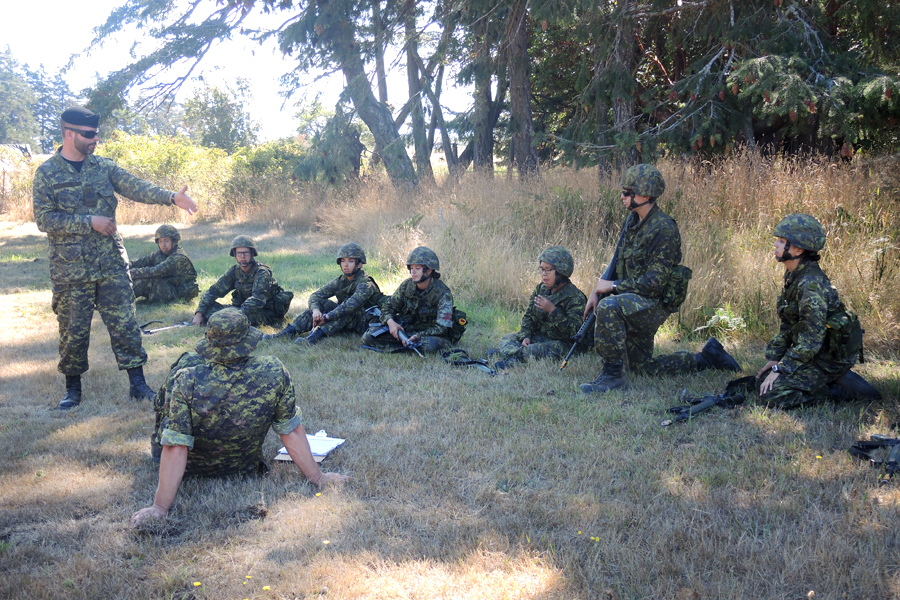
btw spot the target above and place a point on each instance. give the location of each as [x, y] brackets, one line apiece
[320, 445]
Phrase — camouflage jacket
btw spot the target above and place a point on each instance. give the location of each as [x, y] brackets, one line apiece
[65, 200]
[353, 295]
[426, 312]
[807, 306]
[176, 266]
[565, 319]
[223, 411]
[251, 290]
[651, 249]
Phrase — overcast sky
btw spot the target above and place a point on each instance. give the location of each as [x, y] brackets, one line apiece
[49, 32]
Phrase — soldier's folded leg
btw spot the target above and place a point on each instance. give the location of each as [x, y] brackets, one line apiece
[142, 287]
[161, 291]
[432, 344]
[852, 386]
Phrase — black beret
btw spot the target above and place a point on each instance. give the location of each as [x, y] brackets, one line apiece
[78, 115]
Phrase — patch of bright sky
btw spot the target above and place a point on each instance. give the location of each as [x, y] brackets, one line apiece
[49, 32]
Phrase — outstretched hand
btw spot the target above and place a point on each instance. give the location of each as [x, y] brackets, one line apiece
[184, 202]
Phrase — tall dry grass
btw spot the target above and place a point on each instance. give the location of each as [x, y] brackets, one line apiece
[490, 231]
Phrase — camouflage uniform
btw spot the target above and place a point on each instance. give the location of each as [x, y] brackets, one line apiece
[809, 347]
[88, 270]
[222, 408]
[164, 277]
[649, 287]
[354, 296]
[255, 292]
[428, 313]
[550, 333]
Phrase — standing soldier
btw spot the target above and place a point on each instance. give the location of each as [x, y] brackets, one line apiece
[75, 204]
[254, 290]
[167, 275]
[819, 341]
[422, 307]
[355, 292]
[553, 316]
[649, 285]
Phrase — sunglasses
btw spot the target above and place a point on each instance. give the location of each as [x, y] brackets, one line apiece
[88, 135]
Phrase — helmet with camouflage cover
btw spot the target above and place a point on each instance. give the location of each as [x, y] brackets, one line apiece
[351, 250]
[425, 257]
[645, 180]
[167, 231]
[802, 231]
[243, 241]
[560, 258]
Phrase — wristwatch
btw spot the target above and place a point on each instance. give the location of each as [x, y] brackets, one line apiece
[615, 287]
[775, 369]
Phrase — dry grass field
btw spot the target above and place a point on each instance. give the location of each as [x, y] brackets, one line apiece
[466, 486]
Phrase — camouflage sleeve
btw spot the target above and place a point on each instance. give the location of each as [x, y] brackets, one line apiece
[778, 345]
[356, 302]
[261, 285]
[809, 334]
[179, 425]
[318, 297]
[186, 360]
[444, 320]
[391, 308]
[218, 290]
[47, 213]
[566, 318]
[529, 324]
[137, 189]
[167, 268]
[664, 246]
[287, 414]
[144, 261]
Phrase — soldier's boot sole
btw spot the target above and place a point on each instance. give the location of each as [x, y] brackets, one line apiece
[718, 358]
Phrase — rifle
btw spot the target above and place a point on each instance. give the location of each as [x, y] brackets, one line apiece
[862, 450]
[702, 404]
[374, 311]
[608, 274]
[145, 331]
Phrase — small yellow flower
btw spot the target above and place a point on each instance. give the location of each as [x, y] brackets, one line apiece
[197, 584]
[265, 587]
[248, 576]
[318, 494]
[245, 583]
[579, 533]
[325, 542]
[818, 457]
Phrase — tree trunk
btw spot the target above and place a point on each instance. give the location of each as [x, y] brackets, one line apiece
[375, 115]
[601, 120]
[521, 122]
[379, 51]
[623, 65]
[420, 135]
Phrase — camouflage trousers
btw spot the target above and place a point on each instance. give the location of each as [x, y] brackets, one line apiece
[540, 347]
[267, 315]
[355, 322]
[429, 343]
[158, 290]
[806, 386]
[624, 332]
[74, 304]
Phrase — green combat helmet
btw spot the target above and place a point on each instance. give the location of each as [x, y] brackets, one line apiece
[244, 241]
[802, 231]
[351, 250]
[425, 257]
[560, 258]
[645, 180]
[169, 232]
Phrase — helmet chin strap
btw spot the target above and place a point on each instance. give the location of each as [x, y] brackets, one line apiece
[785, 254]
[633, 205]
[424, 276]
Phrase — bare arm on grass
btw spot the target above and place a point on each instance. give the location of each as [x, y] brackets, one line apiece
[298, 447]
[171, 471]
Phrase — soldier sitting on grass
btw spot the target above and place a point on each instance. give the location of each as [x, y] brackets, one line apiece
[219, 405]
[254, 290]
[422, 307]
[355, 292]
[167, 275]
[553, 316]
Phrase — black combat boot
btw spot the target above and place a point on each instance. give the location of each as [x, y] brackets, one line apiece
[612, 378]
[139, 388]
[851, 386]
[313, 338]
[714, 356]
[286, 332]
[73, 393]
